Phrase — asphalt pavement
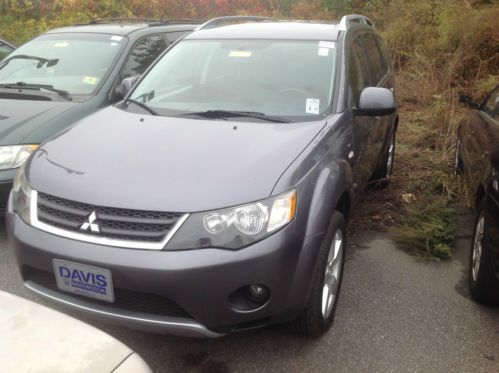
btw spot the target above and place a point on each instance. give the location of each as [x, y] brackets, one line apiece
[395, 314]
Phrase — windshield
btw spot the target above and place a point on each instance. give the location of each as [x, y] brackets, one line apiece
[75, 63]
[286, 79]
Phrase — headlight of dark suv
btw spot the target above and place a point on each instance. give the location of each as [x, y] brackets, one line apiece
[235, 227]
[21, 195]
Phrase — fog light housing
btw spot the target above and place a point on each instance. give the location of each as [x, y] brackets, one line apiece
[257, 293]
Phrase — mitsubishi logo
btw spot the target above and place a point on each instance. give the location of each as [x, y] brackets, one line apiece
[90, 225]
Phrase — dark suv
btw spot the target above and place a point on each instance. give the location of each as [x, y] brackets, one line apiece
[60, 77]
[216, 196]
[477, 159]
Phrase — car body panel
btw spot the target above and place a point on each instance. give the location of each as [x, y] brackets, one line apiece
[36, 338]
[199, 281]
[150, 155]
[478, 136]
[279, 30]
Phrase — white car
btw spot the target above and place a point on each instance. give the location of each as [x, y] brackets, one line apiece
[34, 338]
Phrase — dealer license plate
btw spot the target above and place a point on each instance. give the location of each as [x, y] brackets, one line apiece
[84, 280]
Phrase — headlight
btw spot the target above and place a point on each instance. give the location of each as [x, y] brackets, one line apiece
[13, 156]
[235, 227]
[21, 195]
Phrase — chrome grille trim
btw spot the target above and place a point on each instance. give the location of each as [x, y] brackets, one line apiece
[128, 244]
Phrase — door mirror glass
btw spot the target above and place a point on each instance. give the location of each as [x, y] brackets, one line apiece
[376, 102]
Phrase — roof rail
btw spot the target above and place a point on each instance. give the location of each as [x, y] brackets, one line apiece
[140, 20]
[217, 21]
[353, 18]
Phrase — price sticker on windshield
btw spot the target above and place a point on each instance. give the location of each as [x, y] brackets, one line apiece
[312, 105]
[327, 44]
[90, 80]
[324, 52]
[240, 54]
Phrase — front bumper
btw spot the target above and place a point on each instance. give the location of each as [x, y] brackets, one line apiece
[200, 282]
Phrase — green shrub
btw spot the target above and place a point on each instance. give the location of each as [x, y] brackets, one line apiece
[429, 229]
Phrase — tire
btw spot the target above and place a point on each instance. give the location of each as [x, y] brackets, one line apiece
[318, 316]
[382, 173]
[458, 162]
[482, 280]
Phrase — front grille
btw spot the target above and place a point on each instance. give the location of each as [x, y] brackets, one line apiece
[126, 300]
[113, 223]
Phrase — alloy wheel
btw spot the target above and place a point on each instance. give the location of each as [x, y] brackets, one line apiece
[332, 274]
[391, 153]
[477, 247]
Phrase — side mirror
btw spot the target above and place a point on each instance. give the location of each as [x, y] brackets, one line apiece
[376, 102]
[468, 100]
[126, 86]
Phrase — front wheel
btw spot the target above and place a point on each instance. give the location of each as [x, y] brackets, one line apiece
[318, 315]
[483, 284]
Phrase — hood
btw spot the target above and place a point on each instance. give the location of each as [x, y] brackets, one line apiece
[19, 118]
[120, 159]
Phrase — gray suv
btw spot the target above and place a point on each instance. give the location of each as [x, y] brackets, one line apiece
[215, 197]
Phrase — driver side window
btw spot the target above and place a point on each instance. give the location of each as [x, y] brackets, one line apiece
[358, 73]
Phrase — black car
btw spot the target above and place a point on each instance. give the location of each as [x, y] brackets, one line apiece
[58, 78]
[477, 159]
[223, 203]
[5, 49]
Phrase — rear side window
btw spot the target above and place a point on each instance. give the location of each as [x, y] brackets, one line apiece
[358, 73]
[143, 54]
[373, 54]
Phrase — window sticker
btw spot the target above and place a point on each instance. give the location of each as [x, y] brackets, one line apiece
[114, 44]
[90, 80]
[323, 52]
[116, 38]
[61, 44]
[243, 54]
[327, 44]
[312, 106]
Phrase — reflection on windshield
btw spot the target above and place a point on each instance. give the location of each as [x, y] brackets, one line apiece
[75, 63]
[291, 79]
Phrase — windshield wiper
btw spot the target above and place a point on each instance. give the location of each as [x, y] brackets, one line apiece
[142, 105]
[224, 114]
[46, 87]
[41, 60]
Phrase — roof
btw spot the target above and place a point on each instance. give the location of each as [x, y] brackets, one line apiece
[122, 29]
[270, 30]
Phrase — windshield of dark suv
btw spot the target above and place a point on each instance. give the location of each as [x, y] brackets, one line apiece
[70, 63]
[276, 80]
